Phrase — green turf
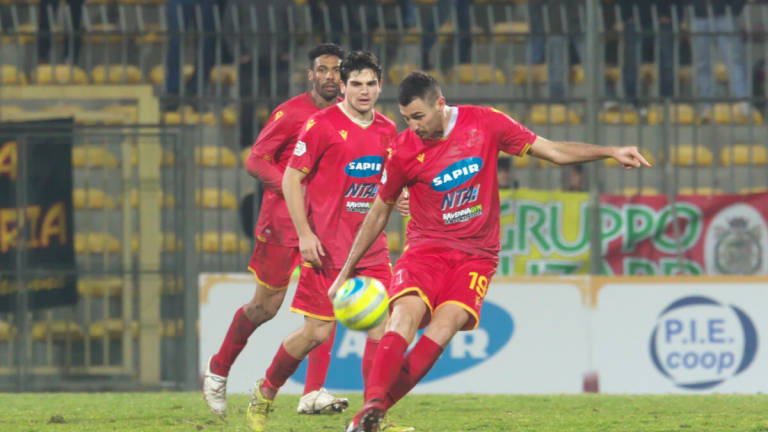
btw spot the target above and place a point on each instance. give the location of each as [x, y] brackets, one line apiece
[187, 412]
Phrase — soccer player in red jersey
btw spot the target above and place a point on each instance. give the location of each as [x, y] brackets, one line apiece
[276, 253]
[339, 157]
[447, 159]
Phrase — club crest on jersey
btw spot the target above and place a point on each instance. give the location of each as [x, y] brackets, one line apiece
[457, 174]
[301, 148]
[365, 166]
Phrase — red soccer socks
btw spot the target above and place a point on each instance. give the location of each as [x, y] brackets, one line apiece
[416, 365]
[371, 345]
[234, 342]
[386, 365]
[317, 365]
[282, 367]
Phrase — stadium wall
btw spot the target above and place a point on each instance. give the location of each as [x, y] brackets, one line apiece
[552, 335]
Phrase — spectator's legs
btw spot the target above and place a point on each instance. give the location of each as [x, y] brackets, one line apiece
[44, 30]
[702, 58]
[666, 62]
[631, 61]
[537, 41]
[732, 52]
[557, 65]
[76, 9]
[465, 35]
[208, 44]
[172, 66]
[408, 10]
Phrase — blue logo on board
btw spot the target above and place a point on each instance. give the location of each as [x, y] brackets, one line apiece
[457, 174]
[365, 166]
[699, 343]
[466, 350]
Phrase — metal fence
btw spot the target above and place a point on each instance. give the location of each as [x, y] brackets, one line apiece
[210, 76]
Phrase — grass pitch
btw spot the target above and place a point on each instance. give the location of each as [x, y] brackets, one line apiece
[187, 412]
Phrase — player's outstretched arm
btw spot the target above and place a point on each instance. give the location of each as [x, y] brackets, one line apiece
[567, 152]
[309, 244]
[372, 226]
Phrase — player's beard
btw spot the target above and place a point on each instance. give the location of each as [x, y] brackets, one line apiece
[328, 95]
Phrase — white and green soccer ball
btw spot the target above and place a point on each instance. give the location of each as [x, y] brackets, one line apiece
[361, 303]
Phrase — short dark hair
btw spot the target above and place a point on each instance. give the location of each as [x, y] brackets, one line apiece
[357, 61]
[419, 85]
[324, 49]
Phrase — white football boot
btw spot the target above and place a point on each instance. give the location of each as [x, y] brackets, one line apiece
[215, 391]
[321, 402]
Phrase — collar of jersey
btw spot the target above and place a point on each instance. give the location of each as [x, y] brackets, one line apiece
[360, 123]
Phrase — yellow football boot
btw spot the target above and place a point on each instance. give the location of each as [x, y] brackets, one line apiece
[258, 409]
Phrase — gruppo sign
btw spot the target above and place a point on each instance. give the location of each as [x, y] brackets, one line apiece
[698, 342]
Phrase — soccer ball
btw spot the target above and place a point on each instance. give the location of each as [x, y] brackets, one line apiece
[361, 303]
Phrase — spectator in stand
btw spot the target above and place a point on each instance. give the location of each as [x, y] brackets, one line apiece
[47, 11]
[445, 9]
[717, 21]
[639, 33]
[563, 32]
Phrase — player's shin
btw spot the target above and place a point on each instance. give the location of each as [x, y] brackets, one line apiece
[317, 365]
[417, 363]
[282, 367]
[386, 365]
[234, 342]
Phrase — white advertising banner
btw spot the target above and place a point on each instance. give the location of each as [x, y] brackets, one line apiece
[681, 335]
[533, 337]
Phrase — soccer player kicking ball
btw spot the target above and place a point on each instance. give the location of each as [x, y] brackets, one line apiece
[447, 159]
[277, 253]
[339, 157]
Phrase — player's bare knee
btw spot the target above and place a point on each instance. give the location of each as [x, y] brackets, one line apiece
[258, 313]
[316, 331]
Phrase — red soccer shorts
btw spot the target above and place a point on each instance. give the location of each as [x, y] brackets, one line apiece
[311, 298]
[440, 276]
[273, 264]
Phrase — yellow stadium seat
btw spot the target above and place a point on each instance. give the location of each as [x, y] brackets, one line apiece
[536, 73]
[59, 74]
[542, 114]
[113, 328]
[103, 33]
[169, 158]
[611, 162]
[683, 114]
[165, 200]
[229, 116]
[397, 72]
[9, 75]
[721, 72]
[173, 328]
[409, 35]
[727, 113]
[7, 331]
[186, 115]
[209, 119]
[701, 190]
[753, 189]
[92, 199]
[685, 74]
[25, 34]
[215, 156]
[633, 191]
[744, 154]
[262, 115]
[481, 73]
[96, 243]
[168, 242]
[157, 74]
[614, 117]
[229, 242]
[394, 242]
[100, 287]
[225, 73]
[688, 155]
[214, 198]
[57, 330]
[244, 155]
[446, 32]
[648, 72]
[612, 74]
[93, 157]
[117, 74]
[208, 242]
[516, 31]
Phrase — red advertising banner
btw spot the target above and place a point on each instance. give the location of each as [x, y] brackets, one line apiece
[698, 234]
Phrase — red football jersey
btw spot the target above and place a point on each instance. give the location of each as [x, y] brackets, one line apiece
[343, 162]
[275, 143]
[452, 182]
